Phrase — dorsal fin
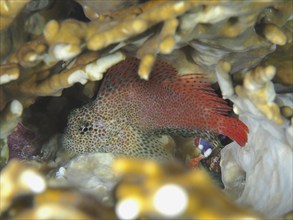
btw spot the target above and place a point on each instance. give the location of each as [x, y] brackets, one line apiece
[125, 74]
[195, 85]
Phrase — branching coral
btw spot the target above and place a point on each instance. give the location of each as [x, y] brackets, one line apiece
[43, 83]
[109, 29]
[105, 31]
[92, 173]
[170, 191]
[258, 88]
[9, 10]
[16, 180]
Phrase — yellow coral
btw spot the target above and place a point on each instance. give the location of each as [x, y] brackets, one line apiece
[9, 9]
[49, 202]
[8, 72]
[170, 191]
[274, 34]
[260, 90]
[17, 179]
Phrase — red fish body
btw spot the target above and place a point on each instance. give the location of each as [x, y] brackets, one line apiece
[129, 114]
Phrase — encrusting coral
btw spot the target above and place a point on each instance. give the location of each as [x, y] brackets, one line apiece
[49, 47]
[92, 173]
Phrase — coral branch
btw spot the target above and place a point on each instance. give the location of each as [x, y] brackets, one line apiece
[9, 9]
[9, 118]
[258, 88]
[8, 72]
[156, 178]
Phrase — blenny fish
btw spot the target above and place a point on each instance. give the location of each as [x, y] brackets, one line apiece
[129, 114]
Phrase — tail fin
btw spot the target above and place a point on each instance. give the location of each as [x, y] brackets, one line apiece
[234, 129]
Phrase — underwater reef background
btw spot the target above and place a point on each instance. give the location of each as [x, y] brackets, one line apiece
[53, 57]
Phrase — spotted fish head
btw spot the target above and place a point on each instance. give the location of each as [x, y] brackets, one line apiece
[88, 131]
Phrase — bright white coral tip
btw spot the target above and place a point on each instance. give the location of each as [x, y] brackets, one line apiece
[65, 51]
[95, 70]
[77, 76]
[179, 6]
[61, 172]
[33, 181]
[127, 209]
[7, 78]
[16, 107]
[170, 200]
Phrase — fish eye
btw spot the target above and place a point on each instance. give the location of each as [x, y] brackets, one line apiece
[85, 127]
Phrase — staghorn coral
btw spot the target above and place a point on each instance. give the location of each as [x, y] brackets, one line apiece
[282, 59]
[151, 190]
[257, 88]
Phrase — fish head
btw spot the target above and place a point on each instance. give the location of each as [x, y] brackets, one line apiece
[87, 131]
